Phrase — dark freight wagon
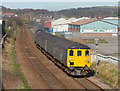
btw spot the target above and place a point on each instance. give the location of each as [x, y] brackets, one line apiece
[71, 54]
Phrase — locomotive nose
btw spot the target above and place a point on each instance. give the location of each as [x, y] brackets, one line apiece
[86, 67]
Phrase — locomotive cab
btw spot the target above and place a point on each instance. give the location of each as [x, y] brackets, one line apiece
[79, 60]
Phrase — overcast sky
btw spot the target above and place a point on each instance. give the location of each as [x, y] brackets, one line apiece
[55, 5]
[60, 0]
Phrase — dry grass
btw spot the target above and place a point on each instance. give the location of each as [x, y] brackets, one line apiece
[86, 41]
[107, 72]
[12, 76]
[8, 73]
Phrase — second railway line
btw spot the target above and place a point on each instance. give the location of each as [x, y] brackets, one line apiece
[44, 72]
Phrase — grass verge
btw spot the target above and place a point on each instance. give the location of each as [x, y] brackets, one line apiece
[15, 65]
[87, 41]
[93, 41]
[107, 72]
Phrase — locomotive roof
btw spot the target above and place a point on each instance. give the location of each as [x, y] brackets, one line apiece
[61, 42]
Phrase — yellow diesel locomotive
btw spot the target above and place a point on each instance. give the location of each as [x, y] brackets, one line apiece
[74, 58]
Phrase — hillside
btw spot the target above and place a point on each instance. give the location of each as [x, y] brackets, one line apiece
[73, 12]
[90, 11]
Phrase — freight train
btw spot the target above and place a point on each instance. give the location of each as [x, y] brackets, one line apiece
[73, 57]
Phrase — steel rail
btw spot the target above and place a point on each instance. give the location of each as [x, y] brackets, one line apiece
[44, 67]
[33, 65]
[94, 84]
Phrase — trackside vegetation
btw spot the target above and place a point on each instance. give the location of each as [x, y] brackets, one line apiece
[16, 67]
[107, 72]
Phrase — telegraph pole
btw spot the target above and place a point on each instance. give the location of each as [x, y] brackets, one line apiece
[96, 51]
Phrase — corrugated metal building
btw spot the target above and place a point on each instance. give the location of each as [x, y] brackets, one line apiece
[75, 27]
[72, 19]
[111, 18]
[47, 25]
[60, 25]
[99, 29]
[92, 28]
[111, 21]
[79, 19]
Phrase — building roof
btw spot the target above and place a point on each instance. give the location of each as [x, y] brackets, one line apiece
[115, 22]
[82, 18]
[60, 21]
[72, 19]
[82, 22]
[111, 18]
[99, 25]
[8, 14]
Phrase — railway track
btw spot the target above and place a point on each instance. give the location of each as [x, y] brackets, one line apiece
[52, 81]
[48, 75]
[88, 84]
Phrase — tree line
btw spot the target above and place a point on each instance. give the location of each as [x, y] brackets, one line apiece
[103, 11]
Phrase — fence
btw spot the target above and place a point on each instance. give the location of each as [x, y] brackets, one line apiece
[109, 59]
[2, 40]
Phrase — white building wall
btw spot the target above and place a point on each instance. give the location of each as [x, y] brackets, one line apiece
[60, 25]
[99, 31]
[60, 28]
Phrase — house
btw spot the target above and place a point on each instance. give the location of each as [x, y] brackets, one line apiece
[9, 14]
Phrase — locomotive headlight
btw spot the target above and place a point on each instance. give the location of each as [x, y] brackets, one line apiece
[69, 59]
[88, 60]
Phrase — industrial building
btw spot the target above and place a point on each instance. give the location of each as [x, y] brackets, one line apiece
[60, 25]
[114, 21]
[75, 27]
[83, 27]
[111, 21]
[80, 19]
[93, 28]
[47, 26]
[111, 18]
